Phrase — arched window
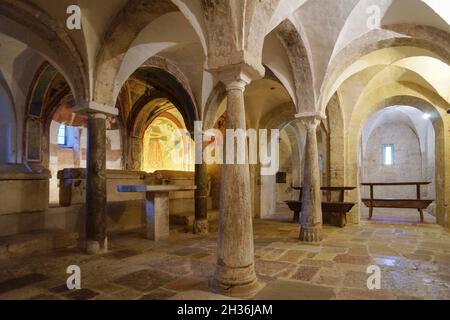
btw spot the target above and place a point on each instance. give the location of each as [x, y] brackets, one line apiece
[388, 154]
[67, 136]
[62, 135]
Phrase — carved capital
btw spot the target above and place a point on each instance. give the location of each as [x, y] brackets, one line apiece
[237, 77]
[311, 120]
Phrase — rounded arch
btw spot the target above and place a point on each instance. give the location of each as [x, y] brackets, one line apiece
[169, 83]
[47, 89]
[425, 101]
[211, 111]
[300, 59]
[336, 142]
[269, 193]
[34, 27]
[403, 35]
[126, 26]
[404, 114]
[159, 87]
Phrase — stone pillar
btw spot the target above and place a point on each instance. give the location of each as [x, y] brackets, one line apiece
[201, 199]
[96, 240]
[311, 215]
[235, 271]
[255, 186]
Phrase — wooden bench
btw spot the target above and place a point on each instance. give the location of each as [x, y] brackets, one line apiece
[418, 203]
[333, 212]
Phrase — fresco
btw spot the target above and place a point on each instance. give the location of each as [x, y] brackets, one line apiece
[165, 149]
[40, 90]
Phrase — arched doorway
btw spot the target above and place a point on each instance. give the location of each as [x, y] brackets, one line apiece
[354, 156]
[167, 144]
[398, 145]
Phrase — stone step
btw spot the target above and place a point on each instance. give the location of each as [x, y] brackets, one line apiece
[36, 241]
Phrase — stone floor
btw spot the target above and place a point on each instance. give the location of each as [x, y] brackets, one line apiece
[414, 260]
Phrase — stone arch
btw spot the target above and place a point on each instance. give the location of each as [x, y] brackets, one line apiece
[211, 109]
[168, 89]
[336, 142]
[180, 83]
[402, 35]
[40, 107]
[425, 101]
[299, 56]
[279, 117]
[29, 24]
[124, 29]
[166, 84]
[267, 188]
[297, 143]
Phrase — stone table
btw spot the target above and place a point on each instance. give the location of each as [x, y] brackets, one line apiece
[156, 207]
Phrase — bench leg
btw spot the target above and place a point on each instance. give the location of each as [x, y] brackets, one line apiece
[343, 220]
[296, 216]
[421, 215]
[370, 213]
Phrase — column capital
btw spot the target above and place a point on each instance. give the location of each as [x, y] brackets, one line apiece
[97, 115]
[311, 119]
[92, 107]
[237, 77]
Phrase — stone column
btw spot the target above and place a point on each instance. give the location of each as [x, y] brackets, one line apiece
[96, 240]
[235, 271]
[311, 215]
[201, 199]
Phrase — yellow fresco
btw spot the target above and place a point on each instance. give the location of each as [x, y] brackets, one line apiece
[167, 148]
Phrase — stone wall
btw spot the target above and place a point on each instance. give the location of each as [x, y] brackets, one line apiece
[414, 152]
[26, 208]
[22, 190]
[75, 156]
[180, 202]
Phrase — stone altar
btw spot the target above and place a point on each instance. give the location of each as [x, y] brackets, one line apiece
[156, 206]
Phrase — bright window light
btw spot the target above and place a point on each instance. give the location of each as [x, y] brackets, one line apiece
[62, 137]
[66, 136]
[388, 154]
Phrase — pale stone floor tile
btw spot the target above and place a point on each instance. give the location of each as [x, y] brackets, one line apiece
[414, 261]
[292, 256]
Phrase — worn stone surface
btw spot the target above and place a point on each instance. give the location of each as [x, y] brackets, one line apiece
[311, 215]
[201, 198]
[96, 184]
[235, 273]
[138, 268]
[157, 215]
[284, 290]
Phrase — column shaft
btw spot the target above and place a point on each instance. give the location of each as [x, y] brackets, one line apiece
[96, 240]
[311, 215]
[235, 273]
[201, 199]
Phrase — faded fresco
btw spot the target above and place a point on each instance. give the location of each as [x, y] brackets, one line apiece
[164, 147]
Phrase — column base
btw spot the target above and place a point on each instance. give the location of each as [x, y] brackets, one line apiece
[310, 234]
[200, 227]
[236, 282]
[94, 247]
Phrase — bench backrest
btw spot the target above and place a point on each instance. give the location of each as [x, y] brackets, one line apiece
[329, 194]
